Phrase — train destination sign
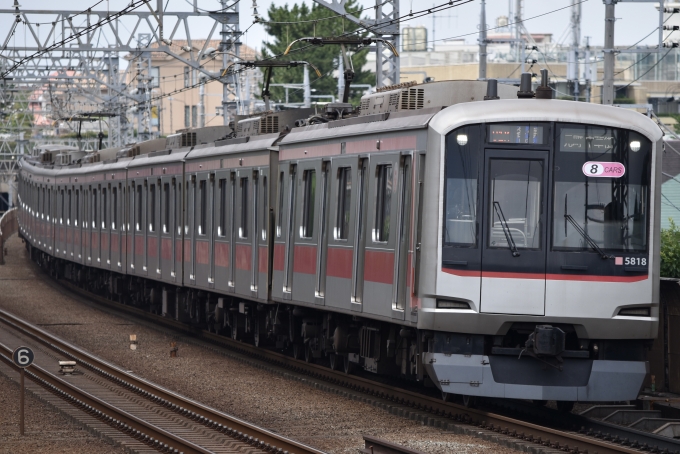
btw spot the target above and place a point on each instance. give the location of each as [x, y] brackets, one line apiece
[603, 169]
[517, 133]
[592, 140]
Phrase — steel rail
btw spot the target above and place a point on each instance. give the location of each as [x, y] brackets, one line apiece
[521, 430]
[374, 445]
[120, 419]
[256, 436]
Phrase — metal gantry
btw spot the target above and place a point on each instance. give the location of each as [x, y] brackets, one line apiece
[385, 26]
[67, 62]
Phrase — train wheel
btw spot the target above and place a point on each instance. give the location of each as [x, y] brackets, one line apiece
[335, 361]
[297, 350]
[565, 406]
[348, 366]
[308, 354]
[470, 401]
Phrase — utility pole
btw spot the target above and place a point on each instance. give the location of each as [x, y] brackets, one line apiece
[201, 103]
[587, 69]
[482, 42]
[518, 29]
[609, 55]
[573, 73]
[341, 79]
[306, 87]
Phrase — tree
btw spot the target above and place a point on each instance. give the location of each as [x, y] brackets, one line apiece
[288, 24]
[670, 251]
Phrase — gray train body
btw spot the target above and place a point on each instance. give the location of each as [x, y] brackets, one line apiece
[505, 248]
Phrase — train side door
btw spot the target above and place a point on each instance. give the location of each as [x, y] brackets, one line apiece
[361, 230]
[383, 235]
[203, 229]
[106, 232]
[263, 231]
[514, 232]
[221, 258]
[306, 231]
[166, 256]
[243, 232]
[343, 183]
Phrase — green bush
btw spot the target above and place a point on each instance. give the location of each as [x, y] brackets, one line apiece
[670, 251]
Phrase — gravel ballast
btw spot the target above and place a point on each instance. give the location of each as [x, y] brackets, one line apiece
[291, 408]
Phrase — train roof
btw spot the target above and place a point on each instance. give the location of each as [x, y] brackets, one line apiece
[537, 110]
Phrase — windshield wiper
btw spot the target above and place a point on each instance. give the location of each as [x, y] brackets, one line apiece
[587, 237]
[506, 230]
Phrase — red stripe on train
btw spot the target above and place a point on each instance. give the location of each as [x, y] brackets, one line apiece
[304, 259]
[243, 257]
[202, 255]
[339, 263]
[222, 254]
[279, 256]
[263, 259]
[379, 266]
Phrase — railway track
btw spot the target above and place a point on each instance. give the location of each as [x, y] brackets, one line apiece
[155, 417]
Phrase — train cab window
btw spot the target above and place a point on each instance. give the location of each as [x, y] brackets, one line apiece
[515, 188]
[601, 189]
[243, 228]
[138, 209]
[461, 181]
[105, 210]
[166, 208]
[221, 228]
[279, 217]
[152, 208]
[114, 207]
[381, 231]
[344, 200]
[307, 228]
[265, 208]
[203, 205]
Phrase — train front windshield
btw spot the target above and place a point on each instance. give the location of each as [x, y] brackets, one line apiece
[601, 186]
[598, 193]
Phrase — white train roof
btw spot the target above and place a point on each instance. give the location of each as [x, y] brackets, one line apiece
[537, 110]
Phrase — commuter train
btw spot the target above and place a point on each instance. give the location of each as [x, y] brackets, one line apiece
[488, 247]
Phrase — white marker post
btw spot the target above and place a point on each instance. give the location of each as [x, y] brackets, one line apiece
[22, 357]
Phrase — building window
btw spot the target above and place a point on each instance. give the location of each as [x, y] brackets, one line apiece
[194, 116]
[383, 203]
[187, 116]
[309, 178]
[187, 81]
[155, 77]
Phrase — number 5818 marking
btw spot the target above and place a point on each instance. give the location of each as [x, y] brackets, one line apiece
[635, 261]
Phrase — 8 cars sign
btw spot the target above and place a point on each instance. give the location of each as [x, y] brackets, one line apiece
[603, 169]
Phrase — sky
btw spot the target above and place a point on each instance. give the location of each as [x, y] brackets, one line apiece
[634, 20]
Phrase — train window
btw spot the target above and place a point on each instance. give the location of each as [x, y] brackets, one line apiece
[344, 202]
[243, 229]
[77, 217]
[49, 204]
[279, 218]
[381, 232]
[166, 208]
[94, 208]
[461, 183]
[105, 210]
[590, 206]
[69, 207]
[515, 210]
[138, 206]
[265, 208]
[221, 228]
[203, 196]
[307, 228]
[114, 208]
[152, 208]
[178, 208]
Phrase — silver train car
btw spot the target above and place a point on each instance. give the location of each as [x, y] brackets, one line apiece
[487, 247]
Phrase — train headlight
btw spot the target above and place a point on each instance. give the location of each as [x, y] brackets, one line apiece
[635, 145]
[462, 139]
[448, 304]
